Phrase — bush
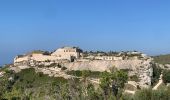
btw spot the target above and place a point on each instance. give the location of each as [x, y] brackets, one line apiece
[41, 66]
[95, 74]
[144, 94]
[156, 73]
[134, 78]
[63, 68]
[116, 80]
[166, 76]
[52, 65]
[78, 73]
[85, 73]
[127, 97]
[149, 94]
[75, 73]
[40, 74]
[59, 66]
[160, 95]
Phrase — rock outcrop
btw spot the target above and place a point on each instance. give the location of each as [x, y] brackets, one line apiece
[141, 68]
[2, 73]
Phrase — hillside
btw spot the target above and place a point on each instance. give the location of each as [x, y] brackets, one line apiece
[96, 76]
[31, 85]
[162, 59]
[28, 84]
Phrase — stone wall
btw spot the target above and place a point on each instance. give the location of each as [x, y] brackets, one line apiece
[36, 57]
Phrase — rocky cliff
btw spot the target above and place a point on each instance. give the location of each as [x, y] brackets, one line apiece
[141, 68]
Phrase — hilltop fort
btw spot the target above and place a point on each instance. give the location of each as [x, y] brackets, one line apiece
[65, 59]
[74, 54]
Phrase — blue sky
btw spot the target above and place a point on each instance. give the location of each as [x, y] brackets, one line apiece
[117, 25]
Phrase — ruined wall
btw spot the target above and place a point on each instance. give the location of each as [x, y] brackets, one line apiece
[40, 57]
[36, 57]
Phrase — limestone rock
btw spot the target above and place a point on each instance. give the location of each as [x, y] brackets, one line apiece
[141, 68]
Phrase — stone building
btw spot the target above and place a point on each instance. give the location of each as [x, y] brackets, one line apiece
[69, 53]
[108, 58]
[65, 53]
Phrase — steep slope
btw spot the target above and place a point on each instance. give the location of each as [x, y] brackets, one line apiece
[142, 68]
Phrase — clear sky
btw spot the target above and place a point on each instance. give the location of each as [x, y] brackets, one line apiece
[117, 25]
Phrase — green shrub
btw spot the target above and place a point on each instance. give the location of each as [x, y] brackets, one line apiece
[149, 94]
[75, 73]
[63, 68]
[166, 76]
[156, 74]
[134, 78]
[127, 97]
[144, 94]
[95, 74]
[78, 73]
[113, 83]
[160, 95]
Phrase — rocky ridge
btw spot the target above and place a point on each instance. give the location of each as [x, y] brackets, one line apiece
[136, 64]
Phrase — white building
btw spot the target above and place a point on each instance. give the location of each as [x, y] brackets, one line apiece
[69, 53]
[65, 53]
[108, 58]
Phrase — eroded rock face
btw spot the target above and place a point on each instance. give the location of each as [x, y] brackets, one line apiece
[141, 68]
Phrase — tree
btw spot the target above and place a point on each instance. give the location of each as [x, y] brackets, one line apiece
[111, 83]
[120, 78]
[105, 82]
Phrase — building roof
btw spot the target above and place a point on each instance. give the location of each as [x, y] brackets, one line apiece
[70, 47]
[80, 50]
